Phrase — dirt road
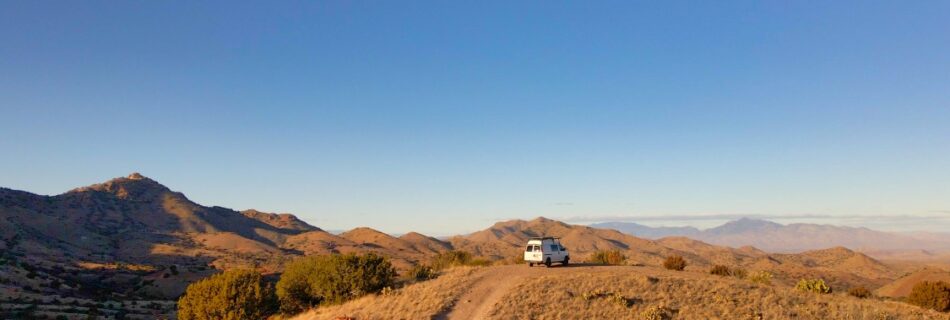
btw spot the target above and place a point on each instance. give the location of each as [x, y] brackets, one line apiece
[491, 284]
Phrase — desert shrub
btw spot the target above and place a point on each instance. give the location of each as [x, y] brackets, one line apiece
[422, 273]
[761, 277]
[234, 294]
[389, 292]
[931, 295]
[739, 273]
[720, 270]
[813, 285]
[860, 292]
[479, 262]
[518, 259]
[674, 262]
[612, 296]
[611, 257]
[456, 258]
[658, 313]
[315, 280]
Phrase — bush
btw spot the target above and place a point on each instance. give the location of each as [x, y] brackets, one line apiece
[452, 258]
[761, 277]
[658, 313]
[612, 296]
[813, 285]
[611, 257]
[311, 281]
[739, 273]
[675, 262]
[720, 270]
[860, 292]
[931, 295]
[422, 273]
[234, 294]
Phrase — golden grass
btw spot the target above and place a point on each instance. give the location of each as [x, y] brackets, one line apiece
[422, 300]
[689, 296]
[617, 292]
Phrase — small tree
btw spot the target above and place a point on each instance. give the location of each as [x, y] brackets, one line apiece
[931, 294]
[315, 280]
[232, 295]
[675, 262]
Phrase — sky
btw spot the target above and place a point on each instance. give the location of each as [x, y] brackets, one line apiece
[445, 117]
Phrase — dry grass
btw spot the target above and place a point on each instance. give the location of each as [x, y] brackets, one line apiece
[611, 292]
[423, 300]
[687, 296]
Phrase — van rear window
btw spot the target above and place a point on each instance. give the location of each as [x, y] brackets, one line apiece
[529, 249]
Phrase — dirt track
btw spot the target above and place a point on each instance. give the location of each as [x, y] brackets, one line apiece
[491, 284]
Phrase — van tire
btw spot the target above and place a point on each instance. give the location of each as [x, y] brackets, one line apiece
[566, 259]
[547, 262]
[530, 264]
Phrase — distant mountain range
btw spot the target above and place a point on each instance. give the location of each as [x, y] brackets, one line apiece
[775, 237]
[134, 238]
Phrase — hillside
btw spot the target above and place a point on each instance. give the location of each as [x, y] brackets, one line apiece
[902, 287]
[134, 238]
[775, 237]
[520, 292]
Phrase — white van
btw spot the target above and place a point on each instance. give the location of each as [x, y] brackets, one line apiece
[545, 251]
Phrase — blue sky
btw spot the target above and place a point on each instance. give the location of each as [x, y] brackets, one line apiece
[445, 117]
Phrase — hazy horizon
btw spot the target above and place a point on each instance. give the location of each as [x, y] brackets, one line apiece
[444, 118]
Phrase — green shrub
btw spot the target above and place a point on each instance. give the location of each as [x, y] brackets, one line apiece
[611, 257]
[452, 258]
[675, 262]
[232, 295]
[315, 280]
[720, 270]
[931, 295]
[860, 292]
[761, 277]
[422, 273]
[813, 285]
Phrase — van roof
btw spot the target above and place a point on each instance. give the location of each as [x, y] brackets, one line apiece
[544, 238]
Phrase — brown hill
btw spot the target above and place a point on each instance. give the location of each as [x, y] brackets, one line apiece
[136, 221]
[284, 221]
[425, 244]
[505, 240]
[902, 287]
[841, 267]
